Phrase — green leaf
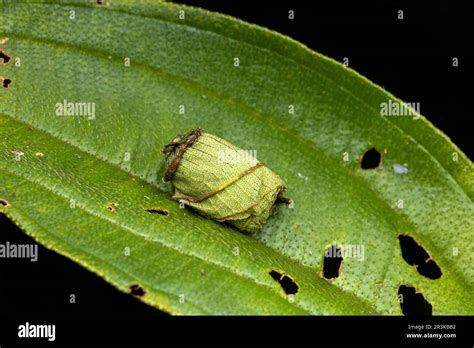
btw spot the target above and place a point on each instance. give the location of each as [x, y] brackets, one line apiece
[81, 186]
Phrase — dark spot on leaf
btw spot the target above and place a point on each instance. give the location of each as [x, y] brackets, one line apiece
[414, 254]
[112, 207]
[281, 199]
[6, 83]
[4, 203]
[157, 211]
[332, 262]
[5, 57]
[413, 303]
[370, 159]
[137, 290]
[288, 284]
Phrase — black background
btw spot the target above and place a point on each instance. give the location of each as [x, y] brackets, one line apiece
[412, 58]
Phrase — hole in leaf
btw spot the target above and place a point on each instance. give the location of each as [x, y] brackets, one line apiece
[288, 284]
[157, 211]
[137, 290]
[332, 262]
[4, 203]
[413, 303]
[430, 270]
[414, 254]
[6, 83]
[6, 58]
[370, 159]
